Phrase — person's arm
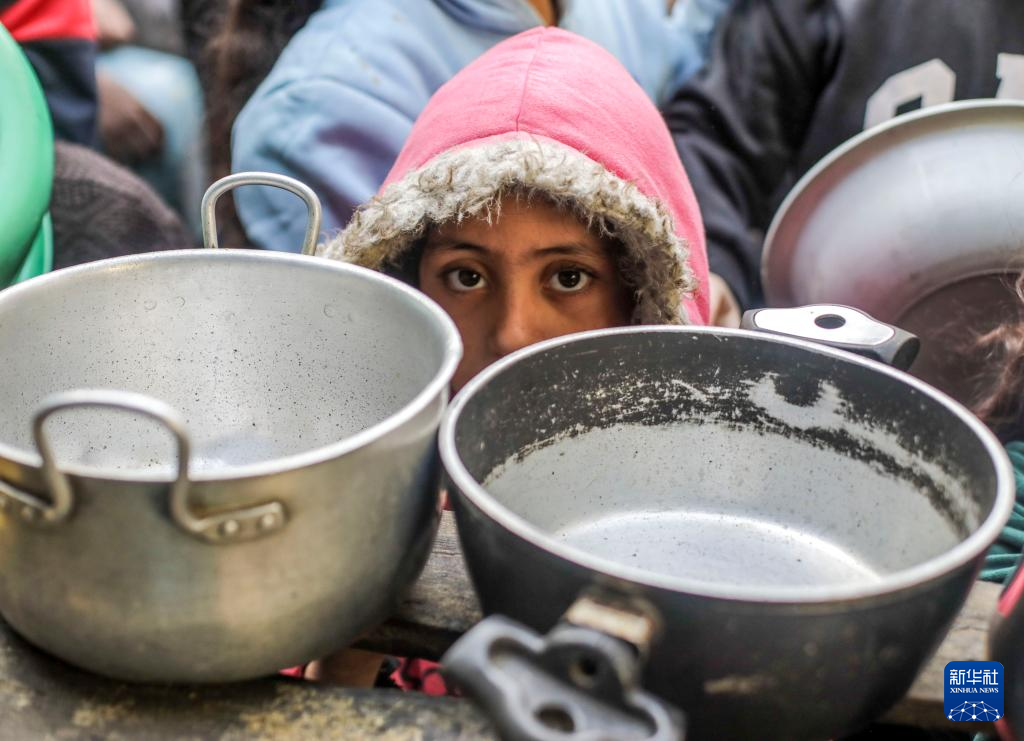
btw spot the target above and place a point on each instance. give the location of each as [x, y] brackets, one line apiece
[335, 137]
[739, 123]
[129, 132]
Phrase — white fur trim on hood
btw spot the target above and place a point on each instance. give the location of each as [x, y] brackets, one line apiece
[471, 181]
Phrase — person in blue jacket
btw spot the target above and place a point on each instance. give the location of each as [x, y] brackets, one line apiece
[341, 99]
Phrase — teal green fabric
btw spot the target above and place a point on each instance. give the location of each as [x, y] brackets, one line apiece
[1002, 558]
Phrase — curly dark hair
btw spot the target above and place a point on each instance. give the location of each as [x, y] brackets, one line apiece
[1001, 406]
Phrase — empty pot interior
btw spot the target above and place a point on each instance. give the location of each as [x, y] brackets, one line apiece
[264, 356]
[726, 459]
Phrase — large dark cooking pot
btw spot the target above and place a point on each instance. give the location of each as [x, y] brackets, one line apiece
[215, 464]
[782, 531]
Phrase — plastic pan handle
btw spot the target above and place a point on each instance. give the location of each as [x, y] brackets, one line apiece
[573, 684]
[841, 327]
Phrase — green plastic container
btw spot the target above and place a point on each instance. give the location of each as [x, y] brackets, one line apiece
[26, 169]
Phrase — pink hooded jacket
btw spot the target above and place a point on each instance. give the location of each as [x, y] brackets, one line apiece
[547, 112]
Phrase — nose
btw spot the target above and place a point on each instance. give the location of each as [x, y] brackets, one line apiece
[520, 322]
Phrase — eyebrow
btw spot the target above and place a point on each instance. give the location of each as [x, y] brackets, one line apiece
[569, 248]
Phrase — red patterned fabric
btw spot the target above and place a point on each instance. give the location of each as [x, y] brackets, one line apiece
[420, 675]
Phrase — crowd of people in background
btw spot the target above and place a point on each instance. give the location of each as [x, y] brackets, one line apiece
[601, 162]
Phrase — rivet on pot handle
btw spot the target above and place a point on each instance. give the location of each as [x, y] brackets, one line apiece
[240, 524]
[576, 682]
[841, 327]
[225, 184]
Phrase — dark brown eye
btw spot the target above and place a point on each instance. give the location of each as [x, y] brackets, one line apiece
[570, 281]
[464, 279]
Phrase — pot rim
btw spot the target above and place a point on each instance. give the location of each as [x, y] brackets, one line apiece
[959, 556]
[437, 387]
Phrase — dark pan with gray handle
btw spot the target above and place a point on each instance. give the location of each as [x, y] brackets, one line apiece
[766, 533]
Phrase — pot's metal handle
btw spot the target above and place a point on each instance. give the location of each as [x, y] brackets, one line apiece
[222, 186]
[841, 327]
[574, 683]
[240, 524]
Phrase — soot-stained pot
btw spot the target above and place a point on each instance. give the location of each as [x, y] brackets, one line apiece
[775, 533]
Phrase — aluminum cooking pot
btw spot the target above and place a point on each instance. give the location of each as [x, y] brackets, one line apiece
[215, 464]
[917, 222]
[768, 534]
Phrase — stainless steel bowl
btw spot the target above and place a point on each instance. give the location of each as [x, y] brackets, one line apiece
[918, 222]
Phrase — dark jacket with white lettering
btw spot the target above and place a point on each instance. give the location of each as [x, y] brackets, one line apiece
[790, 80]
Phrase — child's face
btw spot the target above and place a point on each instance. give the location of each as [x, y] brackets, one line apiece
[533, 274]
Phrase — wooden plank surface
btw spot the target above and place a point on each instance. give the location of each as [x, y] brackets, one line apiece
[42, 698]
[439, 608]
